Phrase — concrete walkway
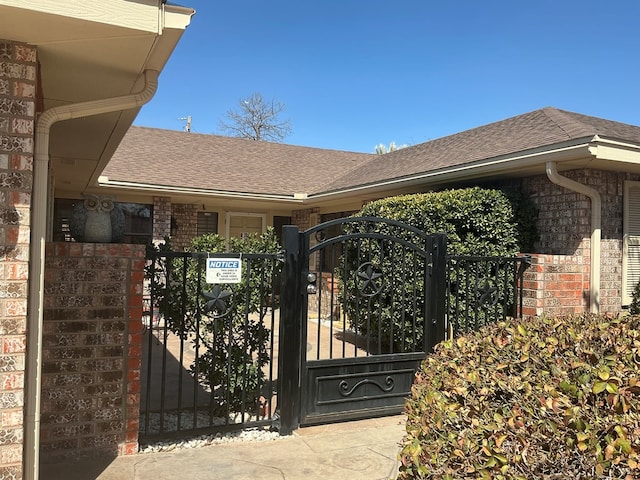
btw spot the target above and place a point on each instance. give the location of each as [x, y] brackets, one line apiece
[359, 450]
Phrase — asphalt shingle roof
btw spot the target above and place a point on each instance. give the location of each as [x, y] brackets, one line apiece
[180, 159]
[532, 130]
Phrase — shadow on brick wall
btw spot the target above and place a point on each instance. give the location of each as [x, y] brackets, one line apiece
[9, 222]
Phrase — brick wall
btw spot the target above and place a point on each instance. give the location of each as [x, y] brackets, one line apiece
[18, 86]
[556, 285]
[306, 218]
[92, 346]
[185, 217]
[161, 218]
[564, 224]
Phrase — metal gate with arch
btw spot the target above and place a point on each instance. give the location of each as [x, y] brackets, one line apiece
[362, 304]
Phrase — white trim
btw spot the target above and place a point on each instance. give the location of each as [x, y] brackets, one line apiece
[630, 240]
[140, 15]
[104, 182]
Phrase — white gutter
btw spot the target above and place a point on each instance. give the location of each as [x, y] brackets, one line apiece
[596, 229]
[104, 182]
[33, 366]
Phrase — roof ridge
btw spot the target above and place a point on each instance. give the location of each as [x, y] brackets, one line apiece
[568, 122]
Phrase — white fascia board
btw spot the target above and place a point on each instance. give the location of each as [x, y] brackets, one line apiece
[140, 15]
[104, 182]
[616, 150]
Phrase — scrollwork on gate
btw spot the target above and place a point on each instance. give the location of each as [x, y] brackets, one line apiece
[347, 391]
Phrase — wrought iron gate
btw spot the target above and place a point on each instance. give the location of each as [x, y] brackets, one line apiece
[208, 349]
[363, 302]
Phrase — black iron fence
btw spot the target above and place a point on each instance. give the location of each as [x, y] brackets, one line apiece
[483, 290]
[209, 353]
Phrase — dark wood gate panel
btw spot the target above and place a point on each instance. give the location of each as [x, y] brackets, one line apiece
[363, 303]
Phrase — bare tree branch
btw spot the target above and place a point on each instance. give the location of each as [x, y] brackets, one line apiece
[257, 119]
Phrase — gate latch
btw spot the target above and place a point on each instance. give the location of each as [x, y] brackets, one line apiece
[311, 285]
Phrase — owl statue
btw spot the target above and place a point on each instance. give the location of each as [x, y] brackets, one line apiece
[97, 220]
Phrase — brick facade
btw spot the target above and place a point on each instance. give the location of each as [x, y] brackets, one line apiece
[556, 285]
[92, 347]
[185, 217]
[564, 224]
[161, 218]
[306, 218]
[176, 220]
[18, 87]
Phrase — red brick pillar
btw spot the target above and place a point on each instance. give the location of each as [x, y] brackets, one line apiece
[555, 285]
[18, 86]
[92, 346]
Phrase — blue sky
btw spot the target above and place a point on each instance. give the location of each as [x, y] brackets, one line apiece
[356, 73]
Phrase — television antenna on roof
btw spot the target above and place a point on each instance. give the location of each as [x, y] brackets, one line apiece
[187, 126]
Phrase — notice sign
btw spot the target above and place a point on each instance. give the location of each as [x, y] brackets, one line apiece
[224, 270]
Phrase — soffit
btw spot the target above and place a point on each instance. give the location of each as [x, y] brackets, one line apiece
[89, 50]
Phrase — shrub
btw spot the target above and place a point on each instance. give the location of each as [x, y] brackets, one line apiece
[634, 308]
[543, 399]
[476, 221]
[525, 212]
[225, 321]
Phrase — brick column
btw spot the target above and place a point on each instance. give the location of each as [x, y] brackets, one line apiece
[92, 347]
[555, 285]
[161, 218]
[18, 73]
[186, 218]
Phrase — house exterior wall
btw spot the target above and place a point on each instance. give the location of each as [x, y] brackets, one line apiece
[186, 219]
[184, 216]
[305, 218]
[18, 87]
[161, 218]
[92, 348]
[558, 281]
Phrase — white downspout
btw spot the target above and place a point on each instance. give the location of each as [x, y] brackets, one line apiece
[33, 365]
[596, 229]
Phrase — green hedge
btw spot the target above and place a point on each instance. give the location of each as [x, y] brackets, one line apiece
[476, 221]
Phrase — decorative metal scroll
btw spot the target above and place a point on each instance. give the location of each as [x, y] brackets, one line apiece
[347, 391]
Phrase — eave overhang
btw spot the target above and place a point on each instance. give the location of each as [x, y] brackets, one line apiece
[90, 50]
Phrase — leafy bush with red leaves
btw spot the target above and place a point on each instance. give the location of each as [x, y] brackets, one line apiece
[545, 398]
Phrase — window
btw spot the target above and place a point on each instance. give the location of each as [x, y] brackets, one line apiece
[630, 241]
[138, 221]
[207, 223]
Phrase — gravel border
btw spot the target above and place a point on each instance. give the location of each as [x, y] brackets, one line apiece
[247, 435]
